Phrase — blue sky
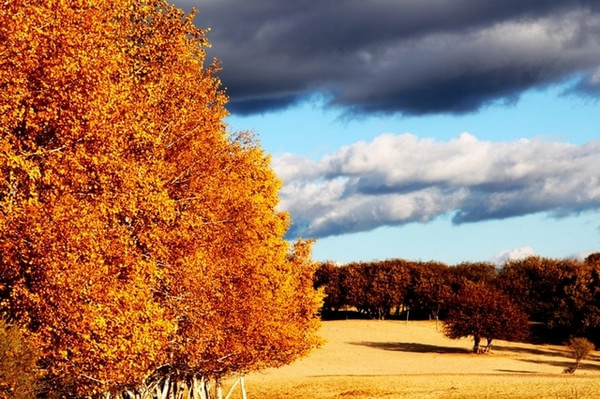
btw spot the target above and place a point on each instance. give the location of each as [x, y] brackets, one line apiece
[452, 131]
[310, 131]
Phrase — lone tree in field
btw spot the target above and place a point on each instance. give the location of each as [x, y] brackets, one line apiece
[139, 240]
[481, 311]
[580, 348]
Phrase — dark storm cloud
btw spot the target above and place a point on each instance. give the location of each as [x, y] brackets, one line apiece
[399, 179]
[410, 56]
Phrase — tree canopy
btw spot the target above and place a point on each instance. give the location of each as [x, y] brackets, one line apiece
[136, 233]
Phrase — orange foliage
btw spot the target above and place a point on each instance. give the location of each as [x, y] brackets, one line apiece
[134, 231]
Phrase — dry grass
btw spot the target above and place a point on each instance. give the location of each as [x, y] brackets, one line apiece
[394, 359]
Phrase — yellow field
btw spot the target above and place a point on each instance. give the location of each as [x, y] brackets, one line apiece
[395, 359]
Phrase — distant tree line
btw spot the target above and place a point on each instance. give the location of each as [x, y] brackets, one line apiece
[558, 298]
[396, 288]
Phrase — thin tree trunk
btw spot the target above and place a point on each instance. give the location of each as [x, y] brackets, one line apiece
[207, 392]
[218, 389]
[476, 342]
[243, 388]
[162, 393]
[489, 345]
[167, 388]
[200, 388]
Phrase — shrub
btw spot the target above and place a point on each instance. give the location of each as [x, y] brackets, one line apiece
[19, 373]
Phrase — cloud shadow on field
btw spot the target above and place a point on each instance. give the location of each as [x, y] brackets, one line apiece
[412, 347]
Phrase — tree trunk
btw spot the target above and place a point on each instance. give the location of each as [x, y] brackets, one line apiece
[239, 382]
[161, 393]
[218, 389]
[489, 345]
[169, 387]
[476, 342]
[243, 388]
[571, 370]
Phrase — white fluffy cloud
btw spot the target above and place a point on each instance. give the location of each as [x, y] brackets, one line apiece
[515, 254]
[398, 179]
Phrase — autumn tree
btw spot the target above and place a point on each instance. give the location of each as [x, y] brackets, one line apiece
[74, 192]
[550, 291]
[356, 286]
[481, 311]
[139, 239]
[593, 258]
[537, 282]
[578, 312]
[429, 288]
[477, 272]
[385, 289]
[328, 277]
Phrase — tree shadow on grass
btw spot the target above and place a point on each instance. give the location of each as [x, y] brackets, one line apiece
[532, 351]
[565, 364]
[412, 347]
[594, 358]
[517, 371]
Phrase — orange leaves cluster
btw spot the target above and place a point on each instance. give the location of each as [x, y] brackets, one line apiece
[134, 230]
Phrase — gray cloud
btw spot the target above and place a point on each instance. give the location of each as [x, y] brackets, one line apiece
[398, 179]
[386, 56]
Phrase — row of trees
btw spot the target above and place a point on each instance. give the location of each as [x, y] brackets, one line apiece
[139, 240]
[391, 287]
[560, 297]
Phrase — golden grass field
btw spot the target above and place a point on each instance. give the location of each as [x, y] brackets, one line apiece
[398, 359]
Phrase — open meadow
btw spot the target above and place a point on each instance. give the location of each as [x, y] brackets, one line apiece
[397, 359]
